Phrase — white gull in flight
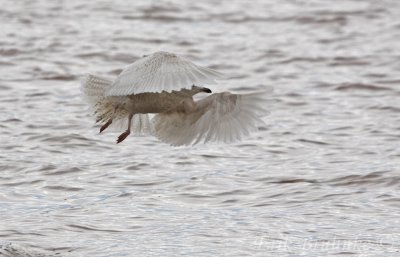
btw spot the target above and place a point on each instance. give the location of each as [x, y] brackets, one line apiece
[164, 84]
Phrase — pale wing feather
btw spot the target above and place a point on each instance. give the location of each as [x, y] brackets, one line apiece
[172, 128]
[159, 72]
[222, 117]
[229, 116]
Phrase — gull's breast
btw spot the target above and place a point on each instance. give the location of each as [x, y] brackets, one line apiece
[153, 102]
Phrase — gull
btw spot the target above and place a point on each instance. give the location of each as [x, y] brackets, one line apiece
[164, 84]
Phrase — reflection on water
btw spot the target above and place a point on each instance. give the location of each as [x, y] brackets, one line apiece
[321, 178]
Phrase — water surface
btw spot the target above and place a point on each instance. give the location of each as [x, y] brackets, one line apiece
[320, 179]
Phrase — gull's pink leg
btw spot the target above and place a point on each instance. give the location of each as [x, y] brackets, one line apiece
[127, 132]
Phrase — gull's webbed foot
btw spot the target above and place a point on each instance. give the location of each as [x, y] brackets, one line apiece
[123, 136]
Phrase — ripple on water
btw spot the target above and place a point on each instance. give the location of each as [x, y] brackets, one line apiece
[373, 179]
[361, 86]
[322, 173]
[62, 171]
[15, 250]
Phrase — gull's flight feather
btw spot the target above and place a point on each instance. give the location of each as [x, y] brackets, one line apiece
[159, 72]
[221, 117]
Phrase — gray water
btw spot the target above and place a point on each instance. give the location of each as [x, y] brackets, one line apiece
[320, 179]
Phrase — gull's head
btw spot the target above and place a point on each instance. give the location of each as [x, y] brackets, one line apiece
[197, 89]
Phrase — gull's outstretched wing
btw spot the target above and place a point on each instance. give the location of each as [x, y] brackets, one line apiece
[159, 72]
[222, 117]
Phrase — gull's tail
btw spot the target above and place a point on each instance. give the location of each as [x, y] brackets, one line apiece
[93, 87]
[105, 108]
